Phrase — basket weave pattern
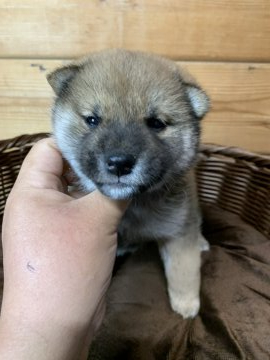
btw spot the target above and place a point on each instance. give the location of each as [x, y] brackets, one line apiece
[230, 178]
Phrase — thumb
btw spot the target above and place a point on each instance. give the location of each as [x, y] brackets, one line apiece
[107, 212]
[42, 168]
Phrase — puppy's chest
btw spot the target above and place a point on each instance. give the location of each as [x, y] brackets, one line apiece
[152, 222]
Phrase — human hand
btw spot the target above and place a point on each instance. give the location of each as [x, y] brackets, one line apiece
[58, 258]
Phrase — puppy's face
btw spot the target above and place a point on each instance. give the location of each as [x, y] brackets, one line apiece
[127, 122]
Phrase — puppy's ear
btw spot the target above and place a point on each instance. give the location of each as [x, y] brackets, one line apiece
[199, 101]
[60, 78]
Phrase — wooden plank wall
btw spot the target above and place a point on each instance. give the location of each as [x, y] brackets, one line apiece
[224, 43]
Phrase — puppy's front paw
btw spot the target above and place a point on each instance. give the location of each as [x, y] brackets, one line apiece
[185, 305]
[204, 244]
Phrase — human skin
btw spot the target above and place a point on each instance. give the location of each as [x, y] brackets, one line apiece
[58, 255]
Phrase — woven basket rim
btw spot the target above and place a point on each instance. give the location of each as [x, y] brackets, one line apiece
[236, 153]
[21, 140]
[229, 177]
[207, 149]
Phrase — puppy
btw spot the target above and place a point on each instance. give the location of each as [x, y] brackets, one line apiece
[129, 124]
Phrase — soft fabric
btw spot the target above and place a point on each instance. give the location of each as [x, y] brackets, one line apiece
[234, 321]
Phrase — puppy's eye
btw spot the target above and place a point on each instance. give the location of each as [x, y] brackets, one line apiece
[155, 124]
[92, 121]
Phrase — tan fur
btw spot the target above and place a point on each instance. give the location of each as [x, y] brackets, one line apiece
[126, 92]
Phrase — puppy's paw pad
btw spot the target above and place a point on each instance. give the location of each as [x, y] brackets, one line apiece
[185, 306]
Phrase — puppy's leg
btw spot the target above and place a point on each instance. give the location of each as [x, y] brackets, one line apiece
[204, 244]
[182, 262]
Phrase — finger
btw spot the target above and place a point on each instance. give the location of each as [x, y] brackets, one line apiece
[107, 212]
[42, 167]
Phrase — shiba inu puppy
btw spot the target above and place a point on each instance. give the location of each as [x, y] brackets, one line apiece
[129, 124]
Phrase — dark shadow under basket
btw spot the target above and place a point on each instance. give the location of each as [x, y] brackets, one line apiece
[230, 178]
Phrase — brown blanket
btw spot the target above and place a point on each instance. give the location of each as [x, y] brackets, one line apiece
[234, 321]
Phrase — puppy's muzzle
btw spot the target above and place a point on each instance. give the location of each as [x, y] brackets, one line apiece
[120, 164]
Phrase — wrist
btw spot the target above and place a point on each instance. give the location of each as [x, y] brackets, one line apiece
[28, 340]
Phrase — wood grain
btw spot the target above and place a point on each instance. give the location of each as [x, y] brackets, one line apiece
[235, 30]
[240, 94]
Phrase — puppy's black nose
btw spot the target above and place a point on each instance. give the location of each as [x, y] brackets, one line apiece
[120, 164]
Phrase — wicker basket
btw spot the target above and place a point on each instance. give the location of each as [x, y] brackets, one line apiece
[230, 178]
